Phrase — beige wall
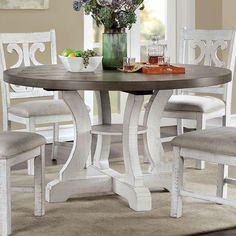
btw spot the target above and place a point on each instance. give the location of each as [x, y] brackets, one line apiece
[208, 14]
[229, 14]
[60, 16]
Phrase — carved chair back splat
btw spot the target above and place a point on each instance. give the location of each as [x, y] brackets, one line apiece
[26, 47]
[207, 47]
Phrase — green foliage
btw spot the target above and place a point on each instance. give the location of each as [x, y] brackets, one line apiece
[115, 15]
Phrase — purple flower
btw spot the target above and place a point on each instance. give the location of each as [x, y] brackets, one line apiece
[115, 4]
[104, 2]
[77, 5]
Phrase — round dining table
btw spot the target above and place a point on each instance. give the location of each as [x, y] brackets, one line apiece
[76, 176]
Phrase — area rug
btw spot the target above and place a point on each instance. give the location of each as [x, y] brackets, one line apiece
[109, 215]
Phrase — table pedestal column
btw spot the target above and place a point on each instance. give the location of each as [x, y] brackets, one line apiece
[133, 188]
[103, 145]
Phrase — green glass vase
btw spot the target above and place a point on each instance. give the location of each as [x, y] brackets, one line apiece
[114, 48]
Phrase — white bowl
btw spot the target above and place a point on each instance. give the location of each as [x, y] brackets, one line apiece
[75, 64]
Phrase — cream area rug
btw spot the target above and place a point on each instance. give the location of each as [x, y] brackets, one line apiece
[108, 214]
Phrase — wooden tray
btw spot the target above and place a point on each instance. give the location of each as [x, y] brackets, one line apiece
[163, 69]
[155, 69]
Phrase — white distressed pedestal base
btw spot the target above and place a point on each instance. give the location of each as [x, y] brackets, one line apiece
[133, 185]
[100, 181]
[74, 178]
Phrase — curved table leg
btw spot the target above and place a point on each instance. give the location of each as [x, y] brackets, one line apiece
[103, 146]
[160, 170]
[133, 188]
[129, 185]
[73, 177]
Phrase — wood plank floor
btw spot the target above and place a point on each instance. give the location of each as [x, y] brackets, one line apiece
[116, 151]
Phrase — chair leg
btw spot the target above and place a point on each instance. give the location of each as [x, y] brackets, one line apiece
[89, 161]
[226, 120]
[5, 200]
[102, 151]
[177, 184]
[201, 124]
[146, 154]
[30, 126]
[221, 185]
[180, 127]
[6, 123]
[39, 183]
[55, 141]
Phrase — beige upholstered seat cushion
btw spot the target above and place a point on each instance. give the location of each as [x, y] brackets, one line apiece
[194, 103]
[40, 108]
[14, 143]
[218, 140]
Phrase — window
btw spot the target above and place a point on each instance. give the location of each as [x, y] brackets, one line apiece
[152, 22]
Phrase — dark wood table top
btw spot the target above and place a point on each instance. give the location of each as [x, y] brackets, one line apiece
[55, 77]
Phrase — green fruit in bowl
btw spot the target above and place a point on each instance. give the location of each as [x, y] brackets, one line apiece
[66, 52]
[85, 55]
[78, 53]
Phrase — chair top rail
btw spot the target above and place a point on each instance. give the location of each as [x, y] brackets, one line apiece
[7, 38]
[191, 34]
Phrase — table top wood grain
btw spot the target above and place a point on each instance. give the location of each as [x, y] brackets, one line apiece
[55, 77]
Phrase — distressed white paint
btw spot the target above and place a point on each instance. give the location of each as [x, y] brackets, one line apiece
[74, 178]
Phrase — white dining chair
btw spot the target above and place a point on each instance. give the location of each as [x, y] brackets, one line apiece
[215, 145]
[211, 48]
[15, 148]
[48, 108]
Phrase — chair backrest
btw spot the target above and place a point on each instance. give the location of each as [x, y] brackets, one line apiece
[26, 46]
[208, 47]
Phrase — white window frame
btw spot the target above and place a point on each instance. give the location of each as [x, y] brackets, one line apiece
[180, 13]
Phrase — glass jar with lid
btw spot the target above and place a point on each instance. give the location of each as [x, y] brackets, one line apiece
[155, 51]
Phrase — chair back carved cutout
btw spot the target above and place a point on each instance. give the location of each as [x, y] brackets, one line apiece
[210, 48]
[25, 46]
[206, 47]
